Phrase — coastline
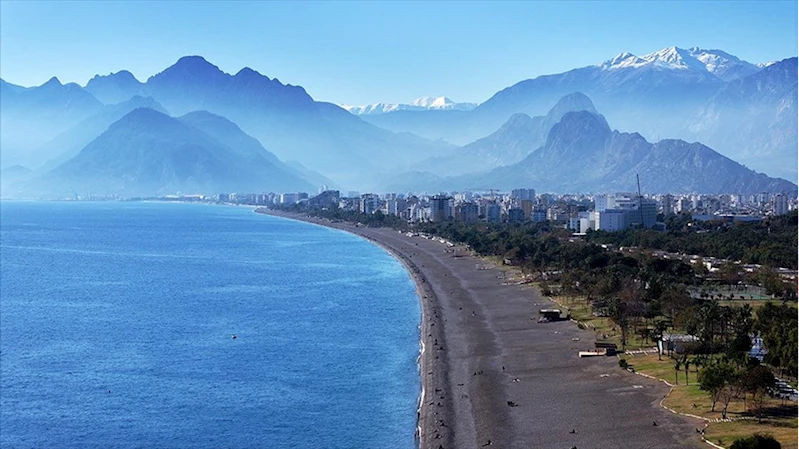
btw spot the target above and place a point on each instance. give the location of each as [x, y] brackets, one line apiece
[429, 431]
[492, 376]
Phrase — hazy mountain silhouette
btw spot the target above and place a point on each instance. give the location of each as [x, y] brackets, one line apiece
[29, 117]
[512, 142]
[582, 154]
[321, 136]
[148, 153]
[754, 118]
[652, 95]
[67, 144]
[114, 87]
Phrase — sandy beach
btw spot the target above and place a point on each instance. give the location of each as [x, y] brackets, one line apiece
[494, 377]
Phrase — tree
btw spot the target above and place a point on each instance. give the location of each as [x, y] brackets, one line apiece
[730, 273]
[730, 391]
[756, 441]
[758, 381]
[713, 378]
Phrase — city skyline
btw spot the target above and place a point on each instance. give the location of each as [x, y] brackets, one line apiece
[359, 53]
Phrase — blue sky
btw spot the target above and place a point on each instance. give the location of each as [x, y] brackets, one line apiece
[366, 52]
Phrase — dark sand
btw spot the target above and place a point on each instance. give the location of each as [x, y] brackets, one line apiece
[473, 325]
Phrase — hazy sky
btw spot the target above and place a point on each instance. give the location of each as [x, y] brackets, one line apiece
[358, 53]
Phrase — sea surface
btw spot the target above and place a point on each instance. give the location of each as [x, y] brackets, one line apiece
[117, 323]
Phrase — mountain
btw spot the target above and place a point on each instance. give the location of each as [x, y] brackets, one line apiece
[419, 104]
[10, 177]
[285, 119]
[313, 177]
[69, 143]
[29, 117]
[512, 142]
[645, 93]
[148, 153]
[721, 64]
[114, 87]
[660, 95]
[251, 151]
[7, 88]
[754, 119]
[582, 154]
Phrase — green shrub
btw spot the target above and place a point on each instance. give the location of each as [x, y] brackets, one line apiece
[756, 441]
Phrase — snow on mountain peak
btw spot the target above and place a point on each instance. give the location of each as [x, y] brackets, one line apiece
[674, 58]
[419, 104]
[433, 102]
[717, 62]
[623, 60]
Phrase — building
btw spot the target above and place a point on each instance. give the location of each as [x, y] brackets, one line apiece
[440, 208]
[539, 215]
[779, 204]
[523, 194]
[493, 213]
[613, 220]
[527, 207]
[289, 198]
[625, 210]
[369, 203]
[667, 204]
[466, 212]
[515, 215]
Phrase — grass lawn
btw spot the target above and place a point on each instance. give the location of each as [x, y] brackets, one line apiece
[783, 429]
[690, 399]
[604, 328]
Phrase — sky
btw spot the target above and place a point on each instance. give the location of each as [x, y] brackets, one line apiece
[368, 52]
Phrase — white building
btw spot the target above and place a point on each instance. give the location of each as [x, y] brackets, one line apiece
[779, 204]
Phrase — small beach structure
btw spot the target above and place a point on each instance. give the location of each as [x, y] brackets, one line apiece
[547, 315]
[608, 347]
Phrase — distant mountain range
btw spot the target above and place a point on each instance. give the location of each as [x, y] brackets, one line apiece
[754, 119]
[29, 117]
[195, 128]
[419, 104]
[511, 143]
[582, 154]
[147, 153]
[284, 118]
[664, 94]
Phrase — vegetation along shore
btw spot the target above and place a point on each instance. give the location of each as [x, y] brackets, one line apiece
[495, 373]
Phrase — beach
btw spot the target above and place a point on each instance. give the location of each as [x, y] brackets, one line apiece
[493, 376]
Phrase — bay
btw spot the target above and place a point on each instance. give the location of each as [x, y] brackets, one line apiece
[117, 324]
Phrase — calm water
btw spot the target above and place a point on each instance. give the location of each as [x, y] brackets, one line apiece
[116, 324]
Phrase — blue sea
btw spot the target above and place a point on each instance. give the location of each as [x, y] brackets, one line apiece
[117, 324]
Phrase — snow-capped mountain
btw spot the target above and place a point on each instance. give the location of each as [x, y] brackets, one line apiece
[719, 63]
[419, 104]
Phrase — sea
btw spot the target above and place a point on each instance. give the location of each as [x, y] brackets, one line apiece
[173, 325]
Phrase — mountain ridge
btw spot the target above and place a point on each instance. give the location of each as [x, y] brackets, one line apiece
[583, 154]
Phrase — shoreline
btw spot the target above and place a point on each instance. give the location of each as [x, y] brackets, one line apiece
[492, 376]
[428, 371]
